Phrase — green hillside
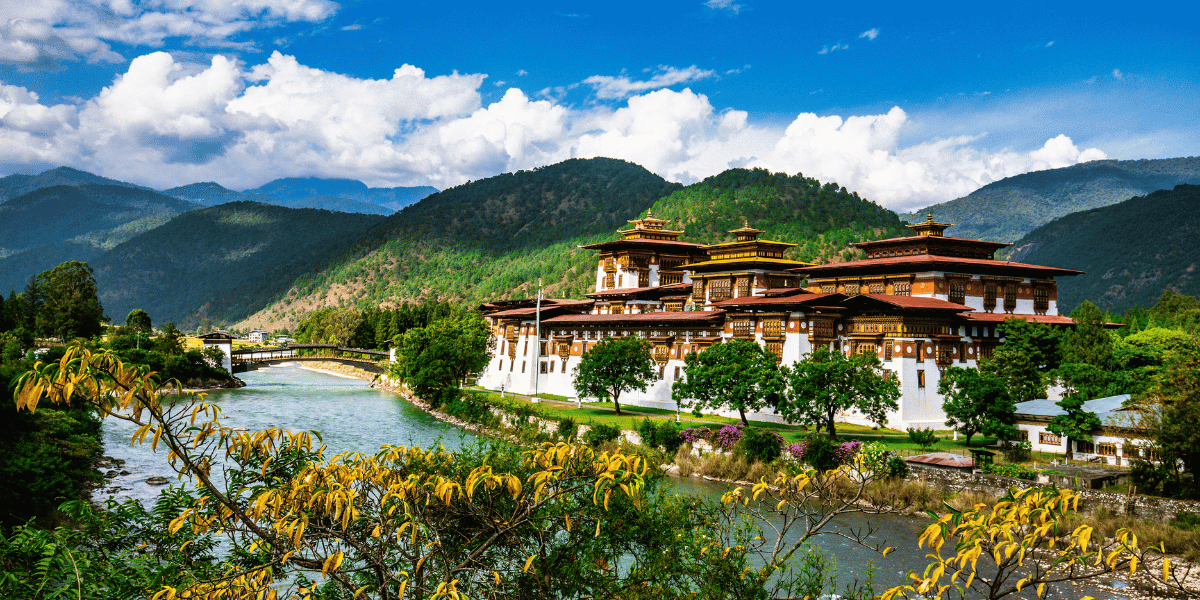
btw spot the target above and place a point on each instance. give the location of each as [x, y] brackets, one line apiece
[221, 262]
[13, 186]
[1131, 251]
[1005, 210]
[495, 238]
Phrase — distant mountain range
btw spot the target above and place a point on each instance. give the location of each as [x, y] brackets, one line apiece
[1005, 210]
[1131, 250]
[343, 195]
[18, 185]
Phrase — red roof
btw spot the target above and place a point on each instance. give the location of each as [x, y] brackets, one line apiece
[932, 261]
[911, 302]
[914, 238]
[674, 287]
[686, 316]
[547, 306]
[798, 298]
[631, 242]
[982, 317]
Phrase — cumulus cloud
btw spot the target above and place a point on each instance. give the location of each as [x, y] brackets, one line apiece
[42, 34]
[728, 5]
[609, 87]
[1117, 74]
[834, 48]
[873, 33]
[167, 122]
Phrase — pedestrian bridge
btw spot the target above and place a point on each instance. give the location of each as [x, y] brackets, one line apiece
[246, 359]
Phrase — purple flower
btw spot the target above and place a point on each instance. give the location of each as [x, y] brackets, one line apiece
[695, 434]
[728, 436]
[847, 451]
[796, 451]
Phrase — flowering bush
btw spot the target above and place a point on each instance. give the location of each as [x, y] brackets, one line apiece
[761, 445]
[692, 435]
[847, 451]
[796, 451]
[728, 436]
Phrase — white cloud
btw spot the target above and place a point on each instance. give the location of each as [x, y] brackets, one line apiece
[1117, 74]
[871, 34]
[167, 122]
[43, 33]
[1050, 43]
[728, 5]
[352, 27]
[621, 87]
[833, 48]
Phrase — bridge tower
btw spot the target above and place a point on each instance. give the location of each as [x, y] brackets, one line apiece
[224, 342]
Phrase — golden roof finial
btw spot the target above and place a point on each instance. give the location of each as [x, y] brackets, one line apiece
[649, 213]
[929, 218]
[745, 223]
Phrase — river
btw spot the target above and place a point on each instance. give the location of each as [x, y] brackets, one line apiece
[354, 417]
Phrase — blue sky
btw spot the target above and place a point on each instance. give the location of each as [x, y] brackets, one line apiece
[908, 105]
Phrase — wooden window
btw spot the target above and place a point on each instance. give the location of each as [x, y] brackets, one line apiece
[525, 350]
[958, 292]
[660, 372]
[901, 288]
[669, 278]
[1049, 439]
[920, 351]
[676, 372]
[543, 349]
[743, 328]
[718, 289]
[644, 278]
[1085, 447]
[920, 378]
[876, 288]
[962, 353]
[887, 350]
[610, 281]
[1010, 298]
[1106, 449]
[698, 290]
[743, 287]
[775, 348]
[621, 281]
[867, 348]
[1041, 300]
[829, 288]
[500, 365]
[544, 368]
[989, 298]
[773, 328]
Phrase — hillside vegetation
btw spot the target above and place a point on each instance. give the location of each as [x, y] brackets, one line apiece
[494, 238]
[1005, 210]
[1131, 251]
[13, 186]
[221, 262]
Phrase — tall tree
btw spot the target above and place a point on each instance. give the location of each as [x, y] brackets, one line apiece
[64, 301]
[138, 320]
[614, 366]
[1076, 424]
[977, 403]
[827, 381]
[434, 359]
[1018, 370]
[737, 374]
[1089, 343]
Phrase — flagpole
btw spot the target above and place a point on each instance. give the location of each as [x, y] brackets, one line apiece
[537, 346]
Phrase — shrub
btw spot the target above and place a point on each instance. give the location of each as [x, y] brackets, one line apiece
[819, 451]
[846, 451]
[761, 445]
[660, 434]
[925, 438]
[728, 436]
[1015, 451]
[692, 435]
[1014, 471]
[471, 409]
[568, 428]
[600, 433]
[883, 463]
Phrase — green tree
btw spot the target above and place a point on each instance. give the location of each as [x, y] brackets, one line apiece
[64, 301]
[436, 358]
[1089, 342]
[1018, 370]
[614, 366]
[737, 374]
[1076, 424]
[827, 381]
[977, 403]
[138, 320]
[1040, 342]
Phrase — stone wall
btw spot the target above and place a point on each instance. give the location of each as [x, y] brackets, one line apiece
[1144, 507]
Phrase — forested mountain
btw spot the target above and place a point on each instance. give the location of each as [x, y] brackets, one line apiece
[495, 238]
[1008, 209]
[47, 226]
[297, 188]
[18, 185]
[221, 262]
[1131, 251]
[210, 193]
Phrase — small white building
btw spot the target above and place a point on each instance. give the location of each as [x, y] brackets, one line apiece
[1117, 442]
[257, 336]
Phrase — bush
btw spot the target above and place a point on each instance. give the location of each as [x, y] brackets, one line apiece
[568, 428]
[1017, 451]
[761, 445]
[925, 438]
[600, 433]
[661, 434]
[470, 408]
[819, 451]
[728, 436]
[1014, 471]
[692, 435]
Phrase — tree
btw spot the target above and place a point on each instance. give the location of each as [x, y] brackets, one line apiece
[827, 381]
[436, 358]
[1019, 371]
[977, 403]
[614, 366]
[737, 374]
[1039, 342]
[1024, 542]
[64, 301]
[1076, 424]
[138, 320]
[1089, 342]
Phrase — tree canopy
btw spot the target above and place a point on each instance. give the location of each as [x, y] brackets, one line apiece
[614, 366]
[435, 358]
[737, 374]
[976, 402]
[827, 381]
[64, 302]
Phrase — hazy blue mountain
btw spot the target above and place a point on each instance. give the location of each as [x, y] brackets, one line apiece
[18, 185]
[1007, 209]
[336, 203]
[299, 188]
[1131, 250]
[223, 262]
[207, 193]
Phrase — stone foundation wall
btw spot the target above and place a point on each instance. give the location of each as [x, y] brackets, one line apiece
[1143, 507]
